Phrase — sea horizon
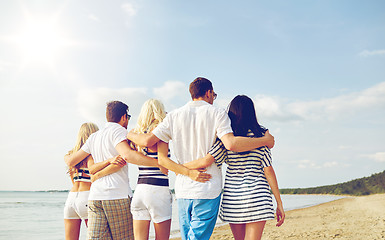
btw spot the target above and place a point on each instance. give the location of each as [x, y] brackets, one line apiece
[39, 214]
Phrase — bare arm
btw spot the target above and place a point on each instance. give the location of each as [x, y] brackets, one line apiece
[272, 180]
[73, 159]
[166, 162]
[200, 163]
[161, 150]
[242, 144]
[143, 139]
[106, 167]
[96, 167]
[134, 157]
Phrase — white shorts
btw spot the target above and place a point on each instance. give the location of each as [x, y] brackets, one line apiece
[76, 206]
[151, 203]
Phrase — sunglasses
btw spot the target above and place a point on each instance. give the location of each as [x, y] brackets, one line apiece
[215, 95]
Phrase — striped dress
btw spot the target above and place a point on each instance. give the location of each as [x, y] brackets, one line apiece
[246, 196]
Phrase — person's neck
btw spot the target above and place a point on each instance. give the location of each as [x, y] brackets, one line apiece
[120, 123]
[200, 99]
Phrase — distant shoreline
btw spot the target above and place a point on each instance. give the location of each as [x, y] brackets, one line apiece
[321, 194]
[357, 187]
[34, 190]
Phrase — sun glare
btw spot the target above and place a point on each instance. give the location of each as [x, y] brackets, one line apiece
[40, 41]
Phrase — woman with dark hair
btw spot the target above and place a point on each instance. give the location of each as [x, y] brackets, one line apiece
[247, 201]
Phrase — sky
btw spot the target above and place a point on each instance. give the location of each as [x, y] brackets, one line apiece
[314, 69]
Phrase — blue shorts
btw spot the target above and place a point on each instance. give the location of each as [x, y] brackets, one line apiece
[197, 217]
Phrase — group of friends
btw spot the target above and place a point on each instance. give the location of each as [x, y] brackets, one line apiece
[204, 137]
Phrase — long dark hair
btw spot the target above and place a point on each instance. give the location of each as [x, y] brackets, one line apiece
[243, 118]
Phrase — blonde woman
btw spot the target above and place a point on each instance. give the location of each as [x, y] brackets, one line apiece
[152, 198]
[76, 206]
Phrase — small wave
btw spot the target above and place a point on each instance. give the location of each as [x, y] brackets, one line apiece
[31, 204]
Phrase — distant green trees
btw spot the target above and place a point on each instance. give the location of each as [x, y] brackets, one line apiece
[362, 186]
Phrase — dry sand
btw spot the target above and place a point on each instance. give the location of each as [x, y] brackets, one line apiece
[349, 218]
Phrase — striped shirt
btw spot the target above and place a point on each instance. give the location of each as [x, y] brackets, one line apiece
[152, 175]
[246, 196]
[81, 177]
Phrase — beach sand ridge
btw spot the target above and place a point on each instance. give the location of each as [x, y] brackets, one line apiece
[356, 218]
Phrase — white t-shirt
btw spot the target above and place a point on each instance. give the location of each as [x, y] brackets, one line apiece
[193, 129]
[101, 145]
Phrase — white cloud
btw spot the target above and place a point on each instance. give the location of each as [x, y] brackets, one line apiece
[129, 9]
[308, 164]
[172, 93]
[367, 53]
[330, 164]
[277, 109]
[93, 17]
[378, 157]
[170, 89]
[92, 103]
[342, 147]
[222, 102]
[274, 108]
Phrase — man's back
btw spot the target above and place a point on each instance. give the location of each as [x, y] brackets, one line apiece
[101, 145]
[193, 129]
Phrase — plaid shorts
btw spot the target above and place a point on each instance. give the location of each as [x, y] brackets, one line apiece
[110, 220]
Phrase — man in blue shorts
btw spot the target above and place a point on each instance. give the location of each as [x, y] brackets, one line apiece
[194, 129]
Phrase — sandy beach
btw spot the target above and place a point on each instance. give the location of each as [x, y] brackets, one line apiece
[348, 218]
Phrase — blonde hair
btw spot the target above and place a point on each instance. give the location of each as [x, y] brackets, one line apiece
[86, 129]
[151, 114]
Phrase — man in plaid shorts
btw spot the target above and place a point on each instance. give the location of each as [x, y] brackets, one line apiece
[109, 215]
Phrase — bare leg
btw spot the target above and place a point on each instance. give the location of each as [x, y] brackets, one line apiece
[72, 228]
[141, 229]
[238, 231]
[254, 230]
[162, 230]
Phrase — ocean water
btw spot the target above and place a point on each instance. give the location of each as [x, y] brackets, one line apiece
[39, 215]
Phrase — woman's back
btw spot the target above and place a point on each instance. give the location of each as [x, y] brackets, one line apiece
[81, 179]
